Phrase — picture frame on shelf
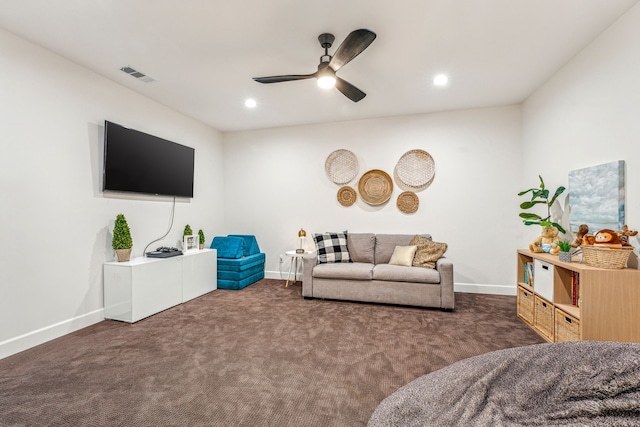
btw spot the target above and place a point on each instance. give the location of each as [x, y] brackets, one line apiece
[189, 243]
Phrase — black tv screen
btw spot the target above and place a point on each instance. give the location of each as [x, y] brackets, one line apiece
[141, 163]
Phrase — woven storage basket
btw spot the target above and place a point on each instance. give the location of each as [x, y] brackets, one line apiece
[544, 317]
[525, 305]
[602, 257]
[567, 327]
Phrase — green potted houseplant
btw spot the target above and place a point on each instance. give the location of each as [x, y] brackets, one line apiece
[540, 196]
[187, 231]
[565, 251]
[121, 241]
[201, 239]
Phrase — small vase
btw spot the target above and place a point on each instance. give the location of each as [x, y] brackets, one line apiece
[201, 246]
[564, 256]
[123, 254]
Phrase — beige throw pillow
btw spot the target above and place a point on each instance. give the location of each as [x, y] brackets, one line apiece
[403, 255]
[428, 252]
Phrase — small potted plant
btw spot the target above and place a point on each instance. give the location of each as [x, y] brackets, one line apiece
[565, 251]
[122, 242]
[201, 239]
[187, 231]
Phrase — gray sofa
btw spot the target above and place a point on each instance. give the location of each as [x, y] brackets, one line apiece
[370, 277]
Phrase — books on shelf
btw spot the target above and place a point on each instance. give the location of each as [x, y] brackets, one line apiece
[528, 273]
[575, 288]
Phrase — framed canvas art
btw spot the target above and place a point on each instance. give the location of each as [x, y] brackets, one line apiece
[597, 197]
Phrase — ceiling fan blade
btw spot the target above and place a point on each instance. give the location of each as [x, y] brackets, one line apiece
[349, 90]
[352, 46]
[286, 78]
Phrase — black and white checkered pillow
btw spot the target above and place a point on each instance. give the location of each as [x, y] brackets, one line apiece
[332, 247]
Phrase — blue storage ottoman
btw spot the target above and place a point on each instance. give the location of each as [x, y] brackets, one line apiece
[240, 262]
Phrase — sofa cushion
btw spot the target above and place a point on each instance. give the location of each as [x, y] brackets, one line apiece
[332, 247]
[228, 247]
[403, 255]
[428, 252]
[397, 273]
[386, 243]
[250, 244]
[343, 271]
[361, 247]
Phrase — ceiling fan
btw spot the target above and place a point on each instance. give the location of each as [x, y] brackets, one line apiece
[352, 46]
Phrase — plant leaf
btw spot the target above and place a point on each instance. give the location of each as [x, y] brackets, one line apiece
[529, 205]
[559, 227]
[531, 222]
[522, 193]
[541, 182]
[559, 191]
[529, 215]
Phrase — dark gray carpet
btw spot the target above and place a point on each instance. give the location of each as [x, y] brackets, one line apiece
[261, 356]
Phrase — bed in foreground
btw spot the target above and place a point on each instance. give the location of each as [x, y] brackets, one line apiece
[585, 383]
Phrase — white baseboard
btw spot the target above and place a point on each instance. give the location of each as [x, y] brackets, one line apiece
[48, 333]
[458, 287]
[474, 288]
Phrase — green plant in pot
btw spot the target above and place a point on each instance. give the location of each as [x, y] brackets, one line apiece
[187, 231]
[121, 241]
[540, 196]
[565, 251]
[201, 239]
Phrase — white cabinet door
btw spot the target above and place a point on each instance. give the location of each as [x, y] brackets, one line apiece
[199, 273]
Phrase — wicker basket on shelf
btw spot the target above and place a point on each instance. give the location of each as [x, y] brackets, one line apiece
[603, 257]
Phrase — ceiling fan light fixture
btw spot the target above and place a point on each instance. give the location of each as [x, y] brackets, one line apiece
[326, 82]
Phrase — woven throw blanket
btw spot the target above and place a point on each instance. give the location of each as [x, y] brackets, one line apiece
[585, 383]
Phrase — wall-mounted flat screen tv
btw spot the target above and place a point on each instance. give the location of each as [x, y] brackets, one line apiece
[141, 163]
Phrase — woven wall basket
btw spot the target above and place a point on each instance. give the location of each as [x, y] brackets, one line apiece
[408, 202]
[341, 166]
[415, 170]
[347, 196]
[375, 187]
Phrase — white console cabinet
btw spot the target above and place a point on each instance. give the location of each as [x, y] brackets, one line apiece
[145, 286]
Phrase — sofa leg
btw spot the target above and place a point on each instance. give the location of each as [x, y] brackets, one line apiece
[448, 310]
[307, 297]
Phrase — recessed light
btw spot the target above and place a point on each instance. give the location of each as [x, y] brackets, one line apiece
[440, 80]
[250, 103]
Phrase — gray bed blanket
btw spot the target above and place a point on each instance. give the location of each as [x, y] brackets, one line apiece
[585, 383]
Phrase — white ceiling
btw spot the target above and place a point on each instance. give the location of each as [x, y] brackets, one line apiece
[203, 53]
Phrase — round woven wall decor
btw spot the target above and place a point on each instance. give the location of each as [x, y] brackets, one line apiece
[347, 196]
[408, 202]
[341, 166]
[375, 187]
[415, 170]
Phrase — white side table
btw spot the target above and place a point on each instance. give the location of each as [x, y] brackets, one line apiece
[296, 260]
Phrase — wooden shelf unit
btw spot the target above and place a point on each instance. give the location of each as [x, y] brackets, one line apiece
[609, 301]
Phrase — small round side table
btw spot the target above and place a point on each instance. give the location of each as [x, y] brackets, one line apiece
[296, 260]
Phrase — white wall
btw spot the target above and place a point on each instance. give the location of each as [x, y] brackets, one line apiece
[588, 114]
[56, 223]
[275, 184]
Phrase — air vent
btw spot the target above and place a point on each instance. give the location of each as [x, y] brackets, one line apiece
[137, 74]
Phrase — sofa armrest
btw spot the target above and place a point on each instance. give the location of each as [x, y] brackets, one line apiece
[445, 268]
[308, 262]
